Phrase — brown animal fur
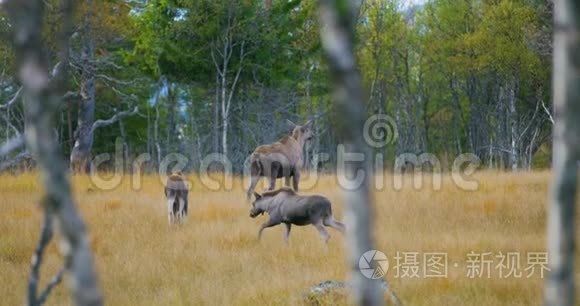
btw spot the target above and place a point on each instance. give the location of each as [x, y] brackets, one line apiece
[285, 206]
[283, 158]
[176, 192]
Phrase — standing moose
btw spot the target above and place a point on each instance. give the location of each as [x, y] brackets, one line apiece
[176, 192]
[280, 159]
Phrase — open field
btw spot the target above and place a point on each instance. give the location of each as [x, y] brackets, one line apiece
[215, 259]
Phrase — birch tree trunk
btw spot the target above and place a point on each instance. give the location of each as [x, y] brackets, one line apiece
[337, 35]
[171, 131]
[80, 154]
[216, 114]
[513, 122]
[41, 104]
[559, 287]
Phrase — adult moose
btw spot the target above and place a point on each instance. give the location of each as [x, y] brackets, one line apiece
[280, 159]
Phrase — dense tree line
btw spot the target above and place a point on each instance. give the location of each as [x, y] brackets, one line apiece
[198, 77]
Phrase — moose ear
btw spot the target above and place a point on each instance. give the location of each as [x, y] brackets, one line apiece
[308, 124]
[257, 195]
[290, 124]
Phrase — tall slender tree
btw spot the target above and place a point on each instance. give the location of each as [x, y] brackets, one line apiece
[337, 35]
[42, 99]
[559, 288]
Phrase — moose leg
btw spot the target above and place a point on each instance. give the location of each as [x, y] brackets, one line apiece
[253, 183]
[330, 221]
[287, 181]
[296, 179]
[268, 223]
[272, 182]
[287, 232]
[170, 215]
[185, 214]
[181, 210]
[320, 227]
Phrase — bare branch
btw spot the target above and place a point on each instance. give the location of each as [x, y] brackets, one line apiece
[58, 70]
[102, 63]
[13, 100]
[237, 77]
[57, 279]
[11, 145]
[217, 68]
[45, 238]
[11, 126]
[115, 118]
[71, 95]
[15, 160]
[120, 82]
[530, 123]
[548, 112]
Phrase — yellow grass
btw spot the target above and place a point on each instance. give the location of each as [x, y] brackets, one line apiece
[215, 259]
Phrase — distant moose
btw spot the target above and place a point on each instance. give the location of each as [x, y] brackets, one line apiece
[176, 192]
[285, 206]
[280, 159]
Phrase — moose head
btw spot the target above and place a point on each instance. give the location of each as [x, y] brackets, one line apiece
[301, 133]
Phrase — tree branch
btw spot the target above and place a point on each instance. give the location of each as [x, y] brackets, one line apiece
[18, 158]
[530, 123]
[548, 112]
[71, 95]
[45, 238]
[217, 68]
[237, 77]
[120, 82]
[115, 118]
[11, 145]
[57, 279]
[13, 100]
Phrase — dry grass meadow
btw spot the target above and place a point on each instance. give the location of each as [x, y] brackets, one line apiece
[215, 259]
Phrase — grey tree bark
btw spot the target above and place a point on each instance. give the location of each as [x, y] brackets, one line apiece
[513, 124]
[86, 126]
[228, 77]
[80, 154]
[337, 35]
[171, 132]
[41, 104]
[559, 287]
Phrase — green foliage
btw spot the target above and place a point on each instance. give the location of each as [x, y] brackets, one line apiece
[441, 70]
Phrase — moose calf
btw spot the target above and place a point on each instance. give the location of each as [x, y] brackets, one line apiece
[176, 191]
[285, 206]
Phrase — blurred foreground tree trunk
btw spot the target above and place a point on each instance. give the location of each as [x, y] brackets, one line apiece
[41, 103]
[559, 287]
[337, 35]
